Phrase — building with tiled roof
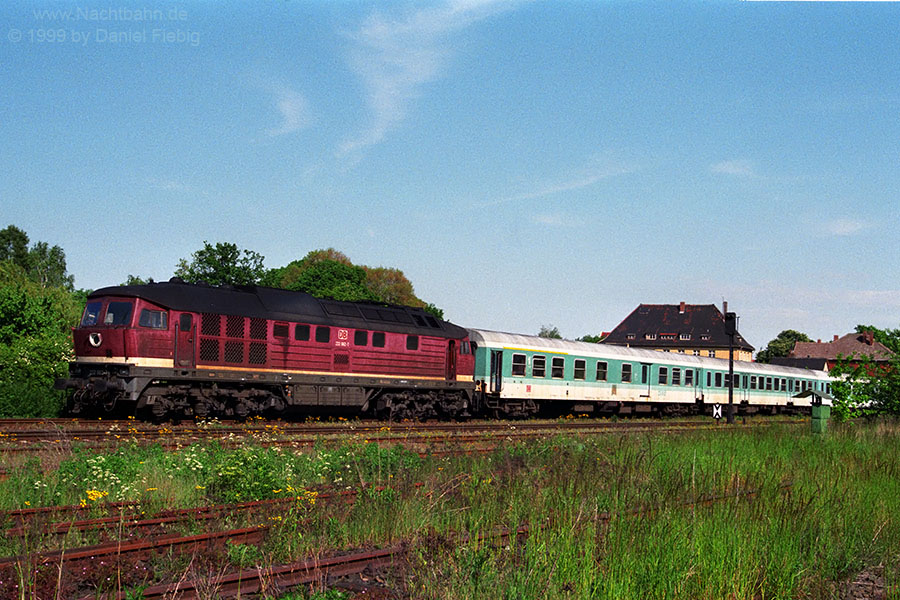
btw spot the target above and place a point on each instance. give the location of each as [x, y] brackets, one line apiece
[697, 329]
[825, 355]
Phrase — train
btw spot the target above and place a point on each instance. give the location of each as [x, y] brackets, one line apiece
[175, 350]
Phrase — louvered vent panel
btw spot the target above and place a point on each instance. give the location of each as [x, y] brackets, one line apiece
[211, 324]
[209, 350]
[234, 327]
[257, 353]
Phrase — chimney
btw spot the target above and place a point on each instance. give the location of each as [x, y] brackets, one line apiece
[724, 307]
[870, 337]
[681, 309]
[818, 341]
[835, 338]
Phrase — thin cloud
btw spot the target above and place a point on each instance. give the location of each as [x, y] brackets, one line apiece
[294, 110]
[585, 178]
[739, 168]
[394, 59]
[846, 227]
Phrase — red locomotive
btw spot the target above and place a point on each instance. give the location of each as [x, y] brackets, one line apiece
[175, 349]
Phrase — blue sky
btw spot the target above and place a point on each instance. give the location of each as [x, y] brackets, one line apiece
[524, 164]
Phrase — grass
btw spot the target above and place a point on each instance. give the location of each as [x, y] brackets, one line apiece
[839, 516]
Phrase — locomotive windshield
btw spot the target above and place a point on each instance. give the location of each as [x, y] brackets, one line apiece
[118, 313]
[91, 313]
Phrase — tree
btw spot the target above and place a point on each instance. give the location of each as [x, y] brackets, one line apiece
[864, 387]
[781, 346]
[222, 264]
[35, 342]
[14, 246]
[549, 331]
[136, 280]
[41, 263]
[593, 339]
[332, 279]
[330, 273]
[47, 266]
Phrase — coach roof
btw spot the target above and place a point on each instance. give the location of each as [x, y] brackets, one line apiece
[286, 305]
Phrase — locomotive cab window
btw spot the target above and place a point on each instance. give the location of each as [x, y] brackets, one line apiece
[538, 366]
[412, 342]
[280, 330]
[323, 334]
[518, 365]
[580, 368]
[301, 333]
[557, 367]
[378, 339]
[118, 313]
[91, 313]
[361, 337]
[154, 319]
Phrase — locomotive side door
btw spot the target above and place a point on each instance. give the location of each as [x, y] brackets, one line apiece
[496, 371]
[451, 360]
[184, 341]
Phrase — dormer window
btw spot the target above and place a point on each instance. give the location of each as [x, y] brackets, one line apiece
[684, 337]
[649, 336]
[629, 336]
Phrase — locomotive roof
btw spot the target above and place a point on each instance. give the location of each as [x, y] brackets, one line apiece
[286, 305]
[516, 341]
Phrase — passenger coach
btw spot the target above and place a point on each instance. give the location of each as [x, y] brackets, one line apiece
[518, 375]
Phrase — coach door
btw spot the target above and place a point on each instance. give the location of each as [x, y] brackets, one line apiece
[496, 371]
[184, 341]
[451, 360]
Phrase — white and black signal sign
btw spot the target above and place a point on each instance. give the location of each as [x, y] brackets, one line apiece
[717, 411]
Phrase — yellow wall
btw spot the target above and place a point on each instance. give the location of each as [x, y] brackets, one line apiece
[720, 353]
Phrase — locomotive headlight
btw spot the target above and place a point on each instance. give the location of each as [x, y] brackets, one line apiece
[95, 339]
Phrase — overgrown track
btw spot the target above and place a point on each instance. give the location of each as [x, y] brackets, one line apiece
[317, 570]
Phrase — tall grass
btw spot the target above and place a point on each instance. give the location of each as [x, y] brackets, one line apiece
[608, 517]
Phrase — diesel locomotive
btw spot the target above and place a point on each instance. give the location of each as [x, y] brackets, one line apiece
[174, 350]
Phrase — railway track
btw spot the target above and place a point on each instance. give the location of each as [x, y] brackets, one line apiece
[311, 570]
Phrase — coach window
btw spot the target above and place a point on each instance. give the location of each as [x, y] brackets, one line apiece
[601, 371]
[745, 382]
[518, 365]
[323, 334]
[676, 376]
[768, 383]
[154, 319]
[784, 385]
[580, 368]
[689, 377]
[753, 382]
[301, 333]
[708, 379]
[727, 382]
[663, 376]
[361, 337]
[557, 367]
[626, 373]
[538, 366]
[718, 380]
[378, 339]
[412, 342]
